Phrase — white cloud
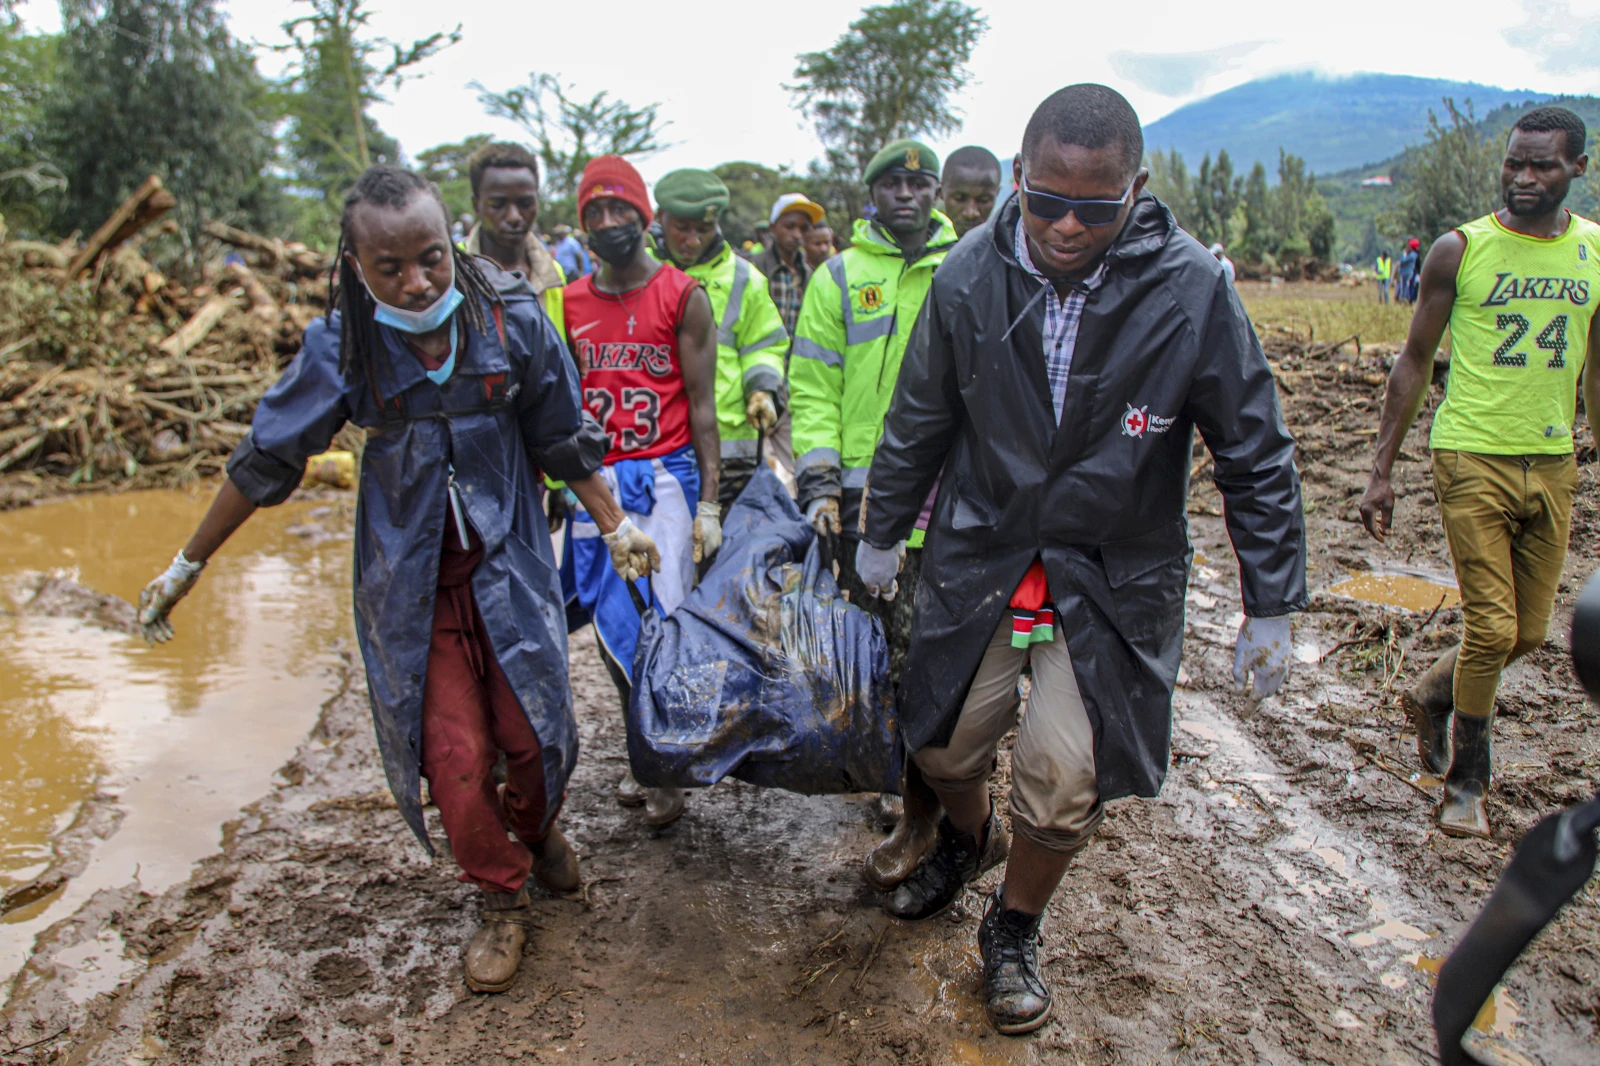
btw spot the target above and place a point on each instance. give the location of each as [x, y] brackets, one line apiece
[1561, 41]
[1180, 74]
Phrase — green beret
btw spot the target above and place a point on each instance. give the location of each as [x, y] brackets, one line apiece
[904, 155]
[696, 194]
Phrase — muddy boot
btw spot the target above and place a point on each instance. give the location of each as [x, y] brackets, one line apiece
[955, 861]
[1429, 703]
[495, 950]
[555, 864]
[1466, 787]
[629, 792]
[892, 861]
[663, 806]
[1018, 999]
[889, 809]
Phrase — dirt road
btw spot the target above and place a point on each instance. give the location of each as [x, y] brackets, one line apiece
[1281, 902]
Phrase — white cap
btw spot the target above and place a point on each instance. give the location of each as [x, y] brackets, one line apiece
[797, 201]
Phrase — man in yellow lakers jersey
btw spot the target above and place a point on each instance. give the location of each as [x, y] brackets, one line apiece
[1518, 290]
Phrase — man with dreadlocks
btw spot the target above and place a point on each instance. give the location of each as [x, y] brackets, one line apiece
[643, 334]
[466, 394]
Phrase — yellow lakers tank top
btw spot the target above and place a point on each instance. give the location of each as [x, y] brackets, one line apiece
[1519, 332]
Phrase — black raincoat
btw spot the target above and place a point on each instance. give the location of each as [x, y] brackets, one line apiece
[1163, 348]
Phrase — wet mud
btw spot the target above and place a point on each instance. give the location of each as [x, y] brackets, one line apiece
[1285, 900]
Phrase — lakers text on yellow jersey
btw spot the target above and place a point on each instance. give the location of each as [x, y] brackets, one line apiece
[1519, 332]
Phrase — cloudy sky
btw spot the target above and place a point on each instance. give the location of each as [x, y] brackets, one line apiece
[718, 67]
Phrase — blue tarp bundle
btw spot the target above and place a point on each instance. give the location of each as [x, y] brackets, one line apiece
[765, 673]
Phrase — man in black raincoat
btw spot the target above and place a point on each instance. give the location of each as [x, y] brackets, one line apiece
[1066, 353]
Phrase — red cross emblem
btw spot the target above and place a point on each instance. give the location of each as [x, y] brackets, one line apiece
[1136, 421]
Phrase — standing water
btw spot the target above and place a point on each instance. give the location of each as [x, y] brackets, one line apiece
[176, 737]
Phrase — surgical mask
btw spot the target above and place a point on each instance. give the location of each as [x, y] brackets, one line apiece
[425, 321]
[616, 244]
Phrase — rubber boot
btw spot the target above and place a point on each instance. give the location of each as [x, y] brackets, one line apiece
[629, 792]
[555, 864]
[1466, 787]
[891, 862]
[1429, 703]
[889, 809]
[663, 806]
[1017, 998]
[495, 950]
[955, 862]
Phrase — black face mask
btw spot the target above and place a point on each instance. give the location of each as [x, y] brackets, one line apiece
[616, 244]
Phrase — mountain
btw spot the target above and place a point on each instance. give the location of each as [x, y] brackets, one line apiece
[1335, 123]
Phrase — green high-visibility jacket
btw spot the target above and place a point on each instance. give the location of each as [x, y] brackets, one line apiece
[751, 343]
[852, 332]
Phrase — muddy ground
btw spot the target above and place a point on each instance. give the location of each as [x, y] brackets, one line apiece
[1281, 902]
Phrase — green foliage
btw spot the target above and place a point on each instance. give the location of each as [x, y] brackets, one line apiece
[156, 86]
[1452, 178]
[338, 71]
[569, 131]
[752, 189]
[891, 75]
[1288, 225]
[30, 186]
[446, 166]
[1216, 195]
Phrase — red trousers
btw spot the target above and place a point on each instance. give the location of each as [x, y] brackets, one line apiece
[469, 716]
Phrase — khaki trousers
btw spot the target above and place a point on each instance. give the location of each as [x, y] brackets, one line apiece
[1506, 518]
[1055, 797]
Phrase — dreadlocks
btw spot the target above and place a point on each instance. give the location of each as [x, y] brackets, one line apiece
[391, 187]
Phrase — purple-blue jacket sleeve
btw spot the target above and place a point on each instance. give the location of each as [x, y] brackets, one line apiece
[296, 419]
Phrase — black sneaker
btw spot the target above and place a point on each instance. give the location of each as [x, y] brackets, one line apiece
[954, 862]
[1018, 999]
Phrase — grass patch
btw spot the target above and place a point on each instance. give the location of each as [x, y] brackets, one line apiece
[1329, 311]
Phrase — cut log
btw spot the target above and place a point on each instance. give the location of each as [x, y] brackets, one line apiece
[262, 305]
[145, 205]
[194, 331]
[272, 251]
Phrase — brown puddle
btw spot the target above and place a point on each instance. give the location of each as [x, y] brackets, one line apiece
[1398, 590]
[181, 735]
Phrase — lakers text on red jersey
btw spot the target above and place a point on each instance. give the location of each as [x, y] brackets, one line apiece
[627, 349]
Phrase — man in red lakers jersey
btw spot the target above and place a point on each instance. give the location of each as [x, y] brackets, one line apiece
[645, 342]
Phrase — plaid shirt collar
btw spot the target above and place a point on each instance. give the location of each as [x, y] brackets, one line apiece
[1061, 318]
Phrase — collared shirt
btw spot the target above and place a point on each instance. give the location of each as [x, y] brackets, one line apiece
[786, 282]
[1061, 318]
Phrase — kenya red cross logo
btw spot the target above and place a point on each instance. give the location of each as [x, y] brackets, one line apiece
[1136, 421]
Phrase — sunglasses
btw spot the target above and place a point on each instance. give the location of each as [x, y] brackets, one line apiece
[1052, 208]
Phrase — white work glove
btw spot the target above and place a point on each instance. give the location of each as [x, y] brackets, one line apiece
[707, 531]
[158, 598]
[878, 567]
[633, 553]
[761, 411]
[823, 514]
[1262, 652]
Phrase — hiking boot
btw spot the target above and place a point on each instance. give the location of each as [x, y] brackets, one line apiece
[1429, 703]
[892, 861]
[888, 808]
[555, 864]
[495, 950]
[1017, 998]
[955, 861]
[629, 792]
[663, 806]
[1464, 813]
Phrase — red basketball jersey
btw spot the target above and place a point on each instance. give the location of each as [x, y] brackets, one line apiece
[627, 349]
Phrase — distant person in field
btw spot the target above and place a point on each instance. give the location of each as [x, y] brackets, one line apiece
[1383, 270]
[1405, 286]
[1220, 254]
[1517, 290]
[971, 187]
[819, 245]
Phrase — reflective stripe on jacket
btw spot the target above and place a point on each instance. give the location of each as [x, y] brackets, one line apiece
[751, 343]
[857, 316]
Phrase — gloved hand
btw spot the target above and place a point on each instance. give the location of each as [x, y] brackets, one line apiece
[633, 553]
[823, 514]
[761, 411]
[877, 568]
[1262, 651]
[707, 531]
[158, 598]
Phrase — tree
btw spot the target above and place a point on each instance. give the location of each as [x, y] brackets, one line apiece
[30, 186]
[157, 86]
[1217, 194]
[891, 75]
[1169, 183]
[569, 131]
[339, 70]
[1450, 179]
[1256, 207]
[446, 166]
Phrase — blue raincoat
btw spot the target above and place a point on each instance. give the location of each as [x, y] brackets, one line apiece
[510, 407]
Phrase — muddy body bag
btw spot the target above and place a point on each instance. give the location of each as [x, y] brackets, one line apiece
[765, 673]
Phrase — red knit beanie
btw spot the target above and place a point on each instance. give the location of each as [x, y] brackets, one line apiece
[613, 176]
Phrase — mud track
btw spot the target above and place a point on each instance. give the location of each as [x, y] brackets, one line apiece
[1279, 903]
